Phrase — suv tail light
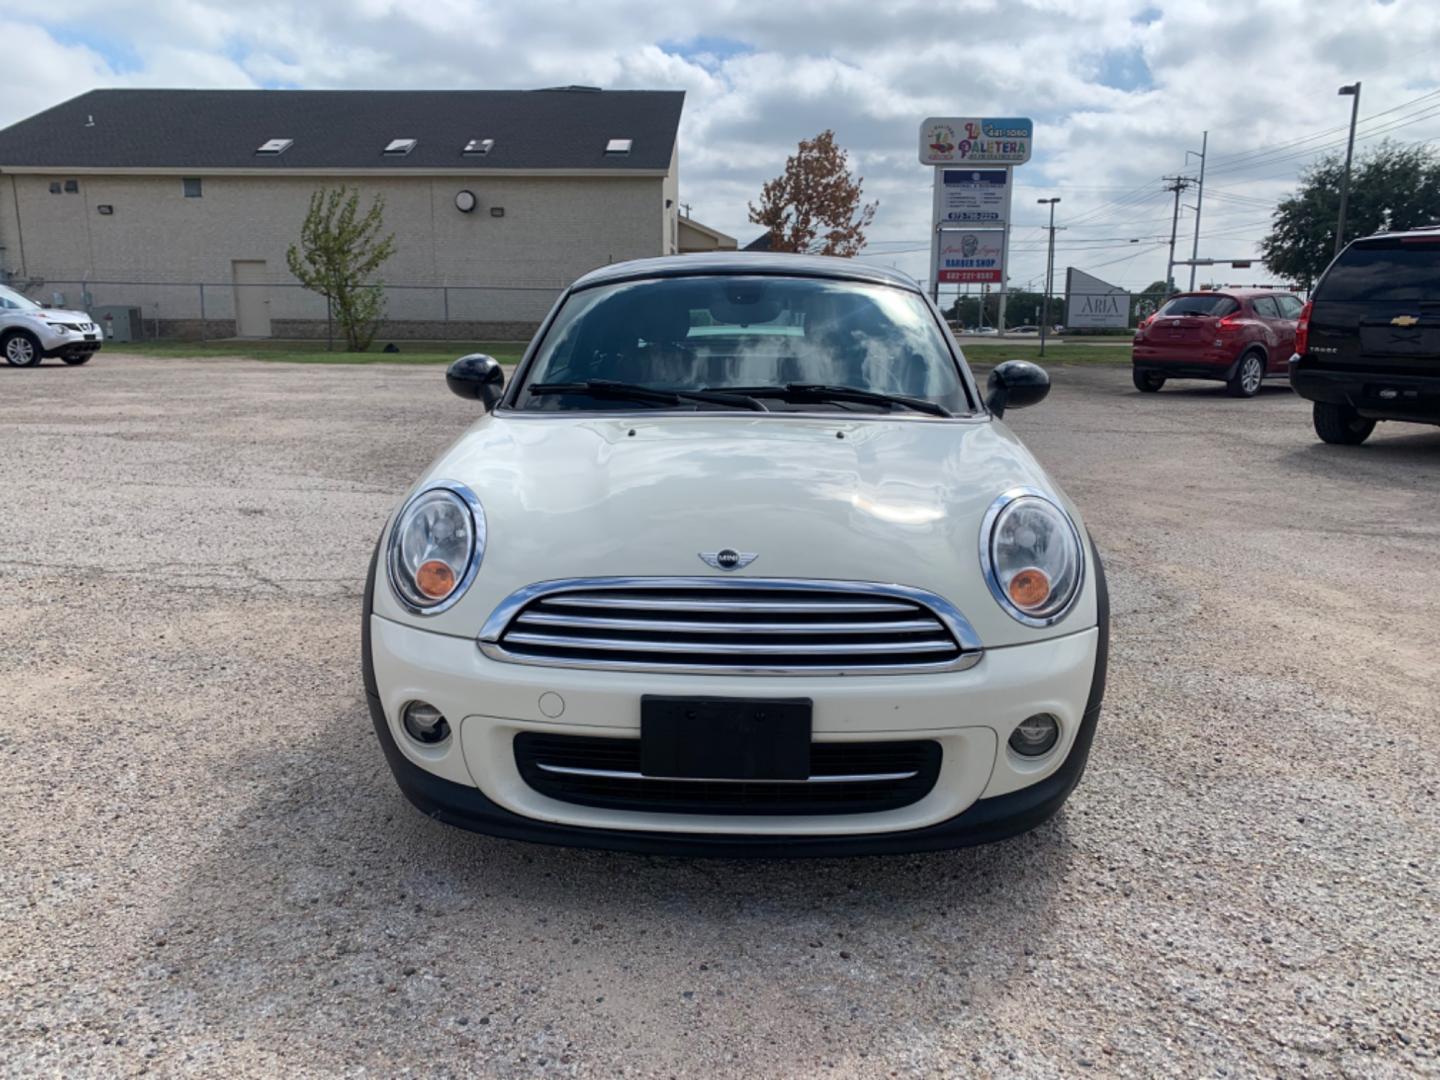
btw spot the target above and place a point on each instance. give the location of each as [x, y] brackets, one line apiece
[1302, 328]
[1230, 322]
[1145, 323]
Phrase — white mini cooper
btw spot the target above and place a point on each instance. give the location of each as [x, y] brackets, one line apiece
[740, 562]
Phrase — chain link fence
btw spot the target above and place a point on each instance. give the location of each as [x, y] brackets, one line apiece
[200, 311]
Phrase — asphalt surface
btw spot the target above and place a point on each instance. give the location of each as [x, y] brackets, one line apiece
[205, 866]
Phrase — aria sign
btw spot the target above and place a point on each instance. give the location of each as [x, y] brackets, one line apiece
[966, 140]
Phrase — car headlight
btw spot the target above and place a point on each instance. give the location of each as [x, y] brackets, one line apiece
[1030, 552]
[435, 547]
[59, 328]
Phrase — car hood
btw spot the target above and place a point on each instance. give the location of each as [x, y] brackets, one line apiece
[861, 499]
[56, 315]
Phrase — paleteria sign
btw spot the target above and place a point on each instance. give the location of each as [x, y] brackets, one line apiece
[970, 140]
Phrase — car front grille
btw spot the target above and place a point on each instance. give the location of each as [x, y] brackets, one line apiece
[711, 625]
[845, 778]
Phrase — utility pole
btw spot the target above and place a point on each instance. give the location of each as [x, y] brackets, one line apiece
[1353, 91]
[1049, 274]
[1177, 184]
[1199, 197]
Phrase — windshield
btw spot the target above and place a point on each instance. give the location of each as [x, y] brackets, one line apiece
[1397, 271]
[1206, 304]
[713, 332]
[10, 300]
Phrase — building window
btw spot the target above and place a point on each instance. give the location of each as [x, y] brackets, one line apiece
[191, 184]
[72, 186]
[54, 187]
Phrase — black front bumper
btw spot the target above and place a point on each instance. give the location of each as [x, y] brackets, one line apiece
[985, 821]
[1413, 397]
[75, 348]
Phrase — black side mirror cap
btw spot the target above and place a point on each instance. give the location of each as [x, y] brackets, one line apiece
[477, 376]
[1014, 385]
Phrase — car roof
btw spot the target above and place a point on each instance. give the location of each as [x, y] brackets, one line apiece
[747, 262]
[1399, 234]
[1244, 291]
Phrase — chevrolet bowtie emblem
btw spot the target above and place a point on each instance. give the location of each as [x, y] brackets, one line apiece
[1404, 320]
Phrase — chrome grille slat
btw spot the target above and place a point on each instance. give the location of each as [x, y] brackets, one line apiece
[730, 625]
[699, 604]
[600, 622]
[747, 648]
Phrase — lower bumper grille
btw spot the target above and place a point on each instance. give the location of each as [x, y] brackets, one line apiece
[845, 778]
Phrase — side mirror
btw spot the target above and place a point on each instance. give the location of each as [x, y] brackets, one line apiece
[477, 376]
[1015, 384]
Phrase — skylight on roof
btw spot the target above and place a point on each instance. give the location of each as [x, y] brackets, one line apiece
[400, 147]
[479, 147]
[618, 146]
[273, 147]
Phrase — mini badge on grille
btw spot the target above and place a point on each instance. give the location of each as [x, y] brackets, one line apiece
[728, 559]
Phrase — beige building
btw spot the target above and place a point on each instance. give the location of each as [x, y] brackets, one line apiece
[172, 200]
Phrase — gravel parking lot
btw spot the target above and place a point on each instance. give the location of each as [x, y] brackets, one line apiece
[206, 865]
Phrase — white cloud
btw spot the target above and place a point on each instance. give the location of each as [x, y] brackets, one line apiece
[1119, 89]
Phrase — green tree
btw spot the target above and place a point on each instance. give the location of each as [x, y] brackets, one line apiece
[339, 251]
[814, 206]
[1146, 302]
[1391, 187]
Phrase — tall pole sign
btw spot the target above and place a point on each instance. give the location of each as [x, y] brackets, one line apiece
[972, 158]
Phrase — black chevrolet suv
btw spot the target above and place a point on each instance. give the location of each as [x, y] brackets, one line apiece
[1367, 346]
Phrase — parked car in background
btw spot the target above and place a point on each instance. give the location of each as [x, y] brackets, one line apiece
[741, 562]
[1368, 345]
[30, 332]
[985, 331]
[1237, 336]
[1024, 331]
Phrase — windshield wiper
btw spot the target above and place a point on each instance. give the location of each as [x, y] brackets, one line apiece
[608, 388]
[822, 392]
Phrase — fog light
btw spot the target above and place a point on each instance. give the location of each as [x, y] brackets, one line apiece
[1035, 735]
[424, 723]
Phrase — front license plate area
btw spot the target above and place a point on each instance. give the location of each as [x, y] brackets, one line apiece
[725, 738]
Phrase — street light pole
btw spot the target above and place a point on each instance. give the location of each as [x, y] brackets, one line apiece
[1199, 199]
[1352, 91]
[1049, 274]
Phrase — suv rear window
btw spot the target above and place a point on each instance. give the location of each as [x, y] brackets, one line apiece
[1206, 304]
[1390, 270]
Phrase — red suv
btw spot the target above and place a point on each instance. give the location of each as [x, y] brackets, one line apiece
[1237, 336]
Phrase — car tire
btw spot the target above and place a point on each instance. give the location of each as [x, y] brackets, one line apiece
[1341, 425]
[76, 361]
[1249, 374]
[1147, 382]
[20, 348]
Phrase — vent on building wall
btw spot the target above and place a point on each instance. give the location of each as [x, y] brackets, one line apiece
[618, 147]
[274, 147]
[399, 147]
[479, 147]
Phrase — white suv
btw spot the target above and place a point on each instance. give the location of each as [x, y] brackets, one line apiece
[29, 332]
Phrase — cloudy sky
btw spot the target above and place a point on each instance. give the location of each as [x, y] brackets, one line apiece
[1119, 90]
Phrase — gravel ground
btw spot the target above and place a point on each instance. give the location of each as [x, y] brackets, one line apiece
[206, 866]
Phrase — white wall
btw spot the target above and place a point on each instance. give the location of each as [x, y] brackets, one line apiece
[553, 230]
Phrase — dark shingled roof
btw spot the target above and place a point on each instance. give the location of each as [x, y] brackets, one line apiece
[563, 128]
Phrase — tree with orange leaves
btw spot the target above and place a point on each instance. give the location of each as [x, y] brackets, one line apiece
[814, 206]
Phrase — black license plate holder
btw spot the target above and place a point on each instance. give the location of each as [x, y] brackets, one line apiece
[705, 738]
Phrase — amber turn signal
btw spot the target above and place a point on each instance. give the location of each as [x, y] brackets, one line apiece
[1029, 588]
[435, 579]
